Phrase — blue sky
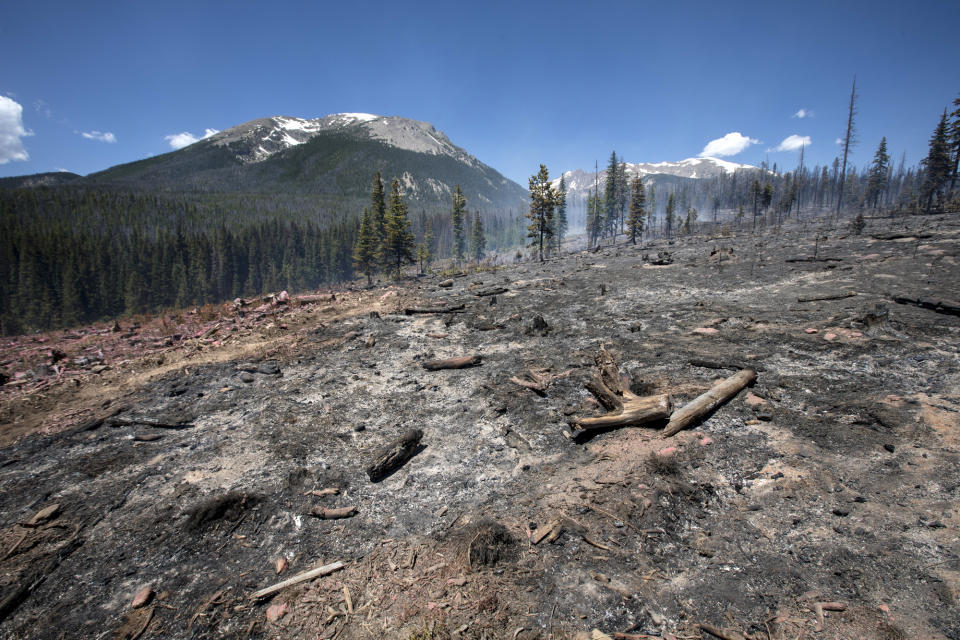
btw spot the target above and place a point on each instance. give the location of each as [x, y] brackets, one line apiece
[85, 86]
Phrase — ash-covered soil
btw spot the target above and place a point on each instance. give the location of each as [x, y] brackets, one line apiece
[833, 479]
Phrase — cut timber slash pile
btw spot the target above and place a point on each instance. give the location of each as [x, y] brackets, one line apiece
[447, 458]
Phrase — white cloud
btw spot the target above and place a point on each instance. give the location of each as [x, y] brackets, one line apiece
[181, 140]
[793, 142]
[729, 145]
[838, 141]
[12, 131]
[803, 113]
[102, 136]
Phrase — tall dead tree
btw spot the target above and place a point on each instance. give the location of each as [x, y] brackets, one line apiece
[849, 140]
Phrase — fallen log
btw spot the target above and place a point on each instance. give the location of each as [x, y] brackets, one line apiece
[394, 455]
[625, 409]
[703, 404]
[901, 236]
[452, 363]
[813, 259]
[939, 306]
[494, 291]
[409, 311]
[716, 364]
[338, 513]
[147, 422]
[537, 388]
[820, 607]
[723, 634]
[835, 296]
[297, 579]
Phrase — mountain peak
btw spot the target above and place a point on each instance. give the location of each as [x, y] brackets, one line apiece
[264, 137]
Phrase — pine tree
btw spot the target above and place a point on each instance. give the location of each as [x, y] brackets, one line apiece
[378, 211]
[955, 141]
[637, 211]
[429, 242]
[668, 217]
[367, 250]
[459, 237]
[478, 243]
[938, 165]
[560, 219]
[623, 193]
[690, 221]
[542, 204]
[611, 211]
[399, 241]
[877, 182]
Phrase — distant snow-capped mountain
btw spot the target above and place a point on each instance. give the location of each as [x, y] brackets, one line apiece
[333, 157]
[579, 182]
[262, 138]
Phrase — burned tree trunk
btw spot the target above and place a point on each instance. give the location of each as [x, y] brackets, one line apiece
[446, 309]
[452, 363]
[703, 404]
[625, 409]
[394, 455]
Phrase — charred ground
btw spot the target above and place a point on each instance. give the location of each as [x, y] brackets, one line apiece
[834, 478]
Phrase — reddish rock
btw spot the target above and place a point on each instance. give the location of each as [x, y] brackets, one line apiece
[142, 597]
[280, 564]
[812, 330]
[754, 400]
[277, 611]
[706, 331]
[667, 451]
[829, 336]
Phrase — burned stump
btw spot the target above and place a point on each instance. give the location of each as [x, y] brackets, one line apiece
[394, 455]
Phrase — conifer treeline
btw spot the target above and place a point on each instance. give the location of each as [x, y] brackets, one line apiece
[72, 255]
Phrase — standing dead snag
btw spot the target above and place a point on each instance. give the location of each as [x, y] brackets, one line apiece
[625, 409]
[703, 404]
[452, 363]
[394, 455]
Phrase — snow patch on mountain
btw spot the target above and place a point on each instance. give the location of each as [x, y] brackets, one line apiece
[580, 182]
[265, 137]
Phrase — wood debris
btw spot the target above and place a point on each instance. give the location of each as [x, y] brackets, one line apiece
[461, 362]
[325, 570]
[704, 404]
[624, 408]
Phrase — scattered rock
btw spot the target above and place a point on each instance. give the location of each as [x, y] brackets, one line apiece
[269, 368]
[142, 597]
[277, 611]
[446, 283]
[247, 377]
[754, 400]
[811, 330]
[889, 447]
[829, 336]
[280, 565]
